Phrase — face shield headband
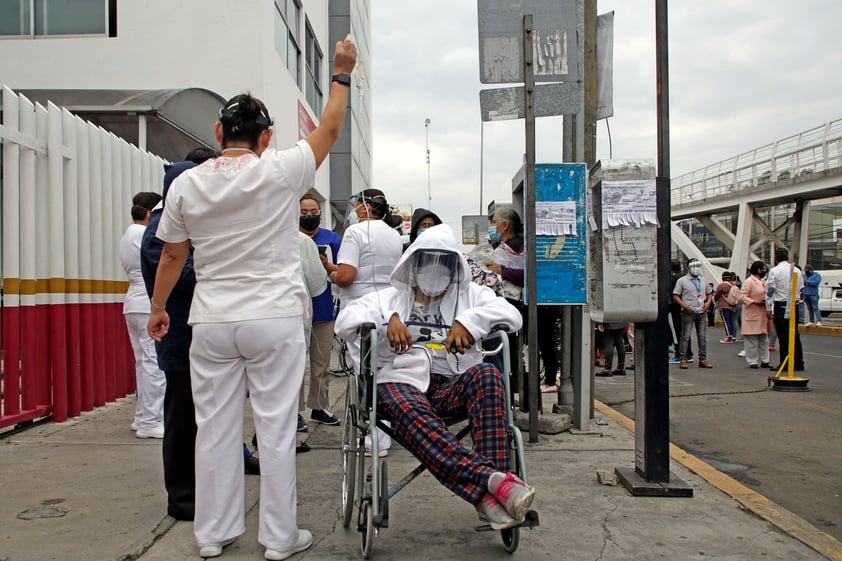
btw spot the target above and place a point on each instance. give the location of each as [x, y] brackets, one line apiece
[229, 113]
[358, 210]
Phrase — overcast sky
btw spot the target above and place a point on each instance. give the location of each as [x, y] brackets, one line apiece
[742, 74]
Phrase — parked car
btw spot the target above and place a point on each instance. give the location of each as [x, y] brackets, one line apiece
[830, 300]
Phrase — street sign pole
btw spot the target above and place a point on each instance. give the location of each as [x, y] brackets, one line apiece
[532, 394]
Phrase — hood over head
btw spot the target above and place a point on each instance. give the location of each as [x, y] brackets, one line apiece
[417, 216]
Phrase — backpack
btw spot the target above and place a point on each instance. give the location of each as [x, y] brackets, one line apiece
[733, 296]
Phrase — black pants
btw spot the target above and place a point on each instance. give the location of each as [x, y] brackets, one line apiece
[179, 445]
[547, 322]
[782, 329]
[613, 339]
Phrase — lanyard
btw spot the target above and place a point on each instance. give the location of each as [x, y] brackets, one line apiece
[698, 284]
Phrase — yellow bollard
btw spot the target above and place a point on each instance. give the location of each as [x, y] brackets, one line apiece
[790, 382]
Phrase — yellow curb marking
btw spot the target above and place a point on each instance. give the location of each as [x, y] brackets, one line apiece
[786, 521]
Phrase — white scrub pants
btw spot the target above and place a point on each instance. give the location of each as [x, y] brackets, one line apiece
[268, 355]
[151, 382]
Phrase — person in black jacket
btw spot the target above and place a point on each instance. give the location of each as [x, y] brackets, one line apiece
[179, 442]
[421, 220]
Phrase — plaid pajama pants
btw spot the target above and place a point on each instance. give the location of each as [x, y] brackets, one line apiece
[417, 424]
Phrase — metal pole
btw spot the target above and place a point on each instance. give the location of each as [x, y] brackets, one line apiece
[481, 158]
[532, 395]
[427, 143]
[652, 455]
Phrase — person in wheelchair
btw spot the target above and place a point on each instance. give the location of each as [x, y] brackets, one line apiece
[433, 318]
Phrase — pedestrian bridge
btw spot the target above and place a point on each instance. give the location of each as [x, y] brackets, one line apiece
[796, 170]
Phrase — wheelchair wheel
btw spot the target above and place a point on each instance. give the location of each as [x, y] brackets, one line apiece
[350, 449]
[367, 535]
[511, 539]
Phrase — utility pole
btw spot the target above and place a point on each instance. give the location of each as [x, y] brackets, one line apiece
[427, 143]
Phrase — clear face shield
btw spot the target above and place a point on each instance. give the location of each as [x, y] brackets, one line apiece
[433, 271]
[359, 208]
[351, 216]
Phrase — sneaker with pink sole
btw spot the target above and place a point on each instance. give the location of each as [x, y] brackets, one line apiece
[490, 510]
[515, 495]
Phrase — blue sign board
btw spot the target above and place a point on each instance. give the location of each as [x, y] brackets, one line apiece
[561, 233]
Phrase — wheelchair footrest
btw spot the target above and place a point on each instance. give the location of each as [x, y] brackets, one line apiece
[531, 521]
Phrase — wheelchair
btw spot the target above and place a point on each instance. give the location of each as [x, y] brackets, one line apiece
[365, 488]
[344, 365]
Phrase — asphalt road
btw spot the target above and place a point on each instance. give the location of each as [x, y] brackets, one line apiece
[785, 445]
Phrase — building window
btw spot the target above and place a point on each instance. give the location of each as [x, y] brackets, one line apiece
[313, 61]
[44, 18]
[287, 33]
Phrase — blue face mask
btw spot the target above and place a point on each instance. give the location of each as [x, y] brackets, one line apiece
[493, 236]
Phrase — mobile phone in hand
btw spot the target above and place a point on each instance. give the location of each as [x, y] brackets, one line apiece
[322, 249]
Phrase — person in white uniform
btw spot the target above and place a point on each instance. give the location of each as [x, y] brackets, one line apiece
[370, 249]
[240, 211]
[151, 383]
[369, 252]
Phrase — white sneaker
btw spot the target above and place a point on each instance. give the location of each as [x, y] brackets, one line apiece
[156, 431]
[742, 353]
[133, 426]
[305, 540]
[384, 442]
[808, 324]
[818, 324]
[213, 549]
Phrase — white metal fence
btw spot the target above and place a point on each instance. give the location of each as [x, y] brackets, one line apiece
[812, 151]
[66, 197]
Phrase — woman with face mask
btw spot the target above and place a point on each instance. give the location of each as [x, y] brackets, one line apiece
[505, 232]
[755, 317]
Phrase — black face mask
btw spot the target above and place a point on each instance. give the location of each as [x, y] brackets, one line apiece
[309, 223]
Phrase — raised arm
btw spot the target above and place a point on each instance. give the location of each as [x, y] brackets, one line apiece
[322, 138]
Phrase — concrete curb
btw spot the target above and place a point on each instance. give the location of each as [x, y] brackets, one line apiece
[781, 518]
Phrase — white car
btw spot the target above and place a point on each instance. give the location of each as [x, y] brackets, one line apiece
[830, 300]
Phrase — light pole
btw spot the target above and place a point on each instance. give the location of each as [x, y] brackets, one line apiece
[427, 143]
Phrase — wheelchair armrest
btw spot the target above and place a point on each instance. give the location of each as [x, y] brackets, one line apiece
[367, 328]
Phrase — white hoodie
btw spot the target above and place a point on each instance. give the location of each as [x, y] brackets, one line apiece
[476, 307]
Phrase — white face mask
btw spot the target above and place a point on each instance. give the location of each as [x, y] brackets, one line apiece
[696, 271]
[431, 282]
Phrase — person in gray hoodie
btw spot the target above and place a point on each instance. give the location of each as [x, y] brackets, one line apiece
[429, 365]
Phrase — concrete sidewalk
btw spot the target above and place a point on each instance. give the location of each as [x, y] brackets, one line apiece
[88, 490]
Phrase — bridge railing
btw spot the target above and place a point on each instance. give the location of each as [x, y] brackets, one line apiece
[812, 151]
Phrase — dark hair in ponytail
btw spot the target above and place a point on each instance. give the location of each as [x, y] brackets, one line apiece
[243, 118]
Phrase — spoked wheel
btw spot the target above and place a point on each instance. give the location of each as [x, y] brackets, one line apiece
[511, 539]
[350, 449]
[367, 535]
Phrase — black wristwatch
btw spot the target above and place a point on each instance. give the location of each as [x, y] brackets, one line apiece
[344, 79]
